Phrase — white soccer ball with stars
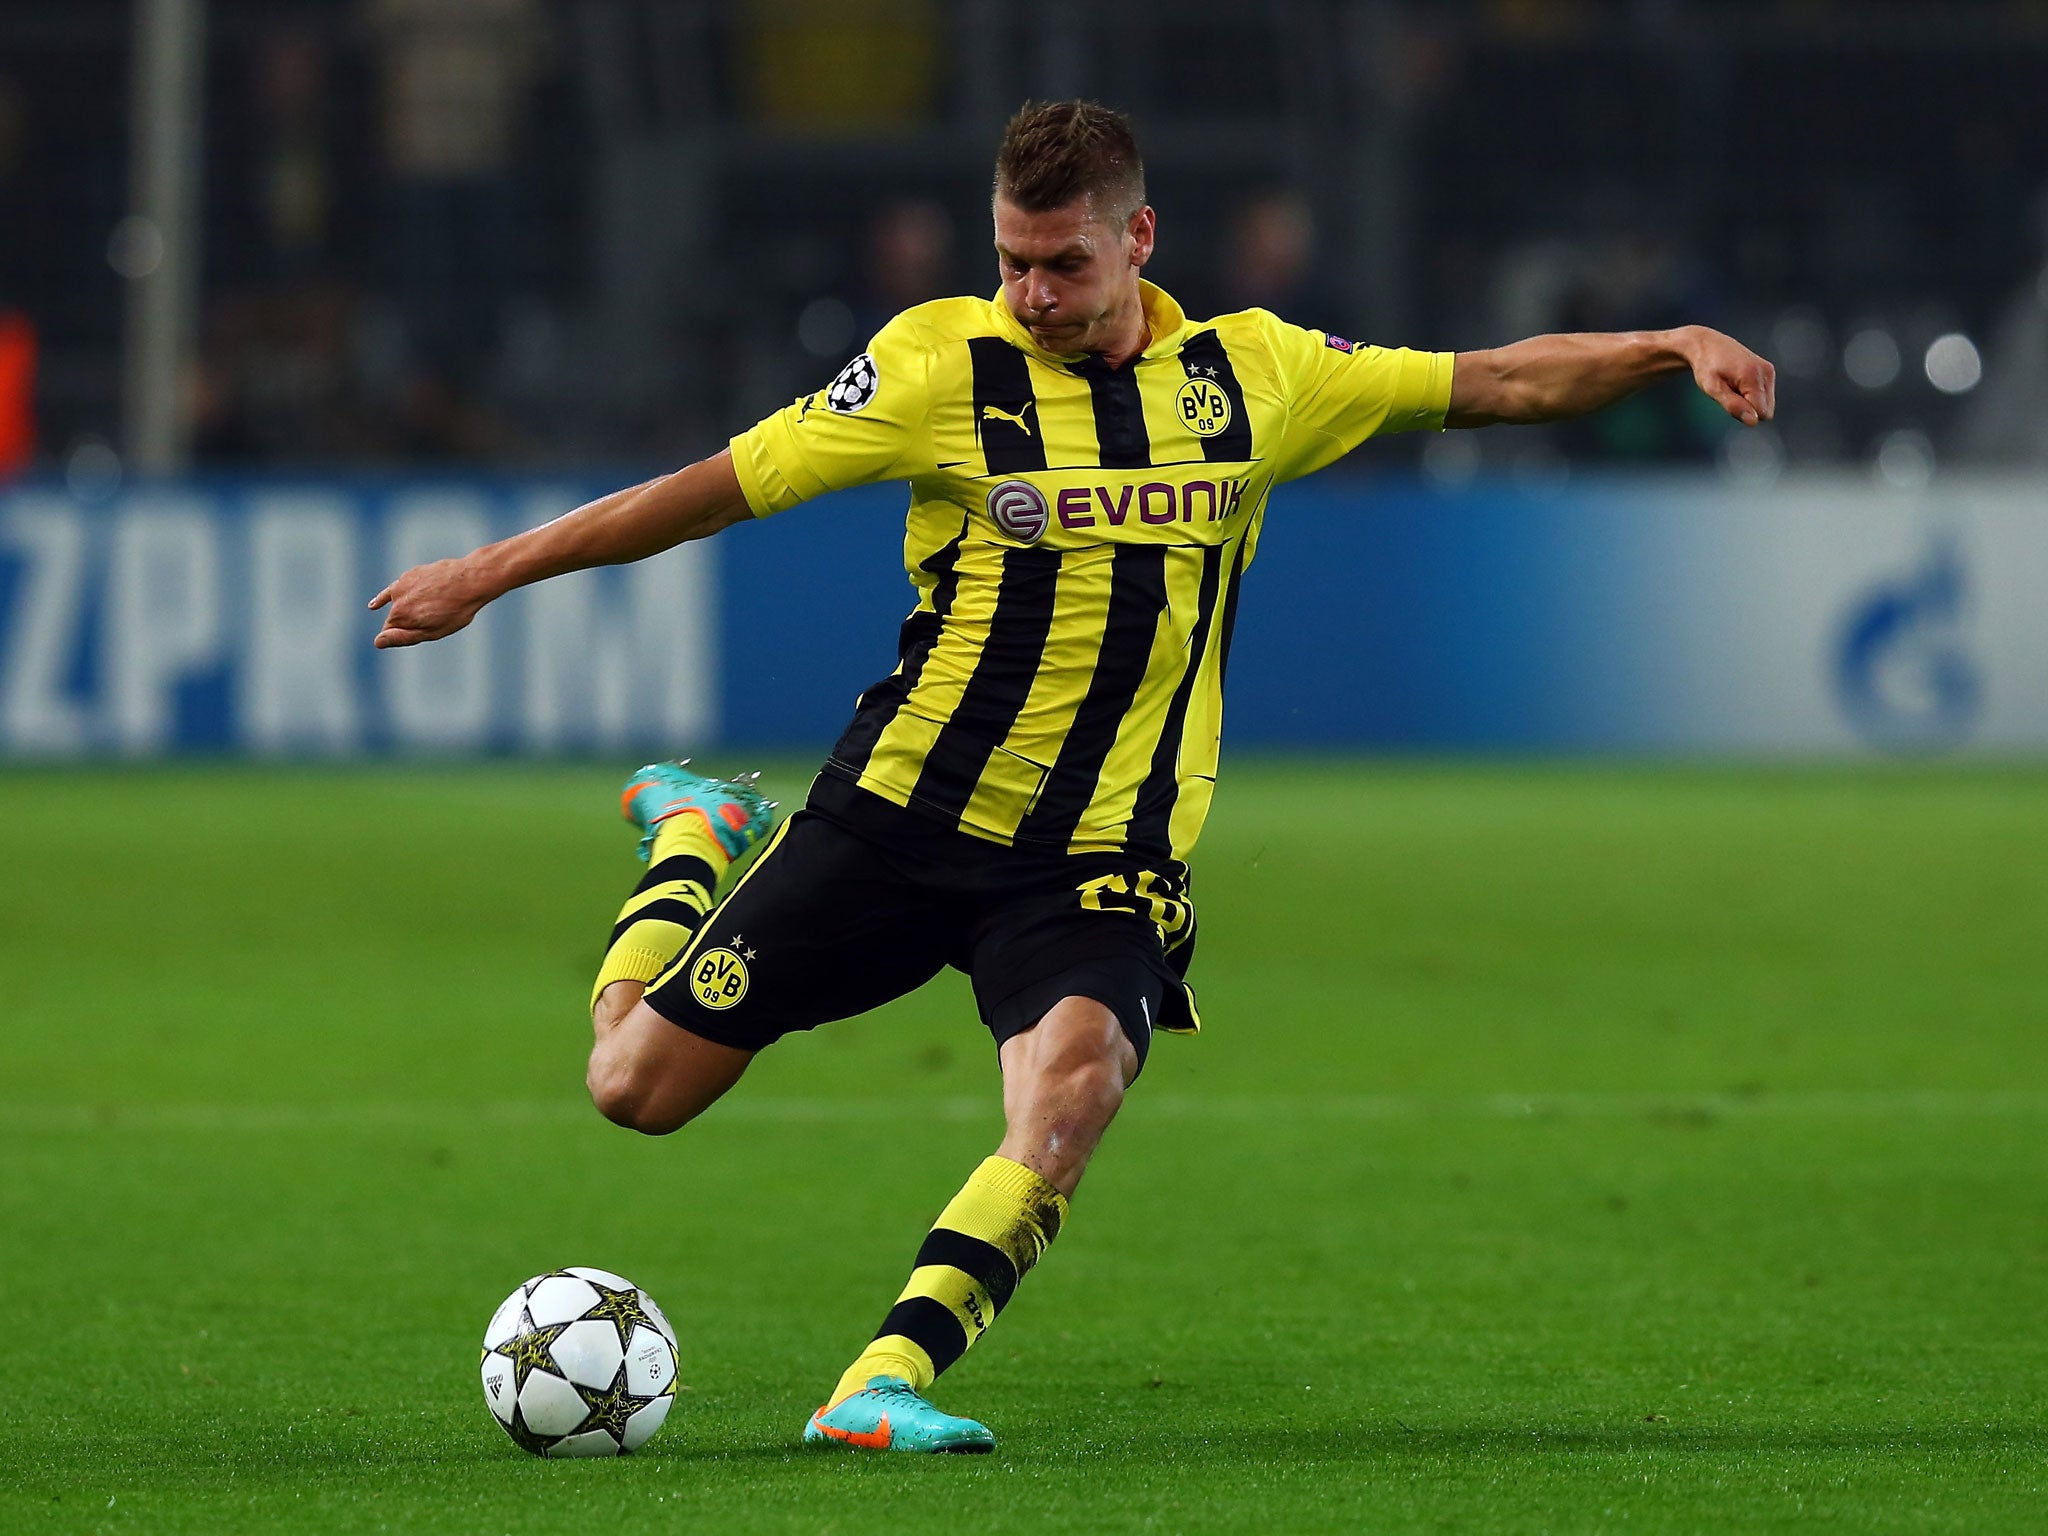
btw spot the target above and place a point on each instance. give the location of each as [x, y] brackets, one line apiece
[579, 1362]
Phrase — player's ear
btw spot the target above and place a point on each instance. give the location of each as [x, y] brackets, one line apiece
[1139, 235]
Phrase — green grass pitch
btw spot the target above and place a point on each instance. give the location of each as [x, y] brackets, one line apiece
[1570, 1149]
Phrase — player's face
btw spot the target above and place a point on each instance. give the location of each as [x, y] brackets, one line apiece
[1071, 278]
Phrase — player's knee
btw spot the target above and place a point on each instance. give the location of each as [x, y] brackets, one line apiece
[1096, 1089]
[627, 1094]
[1096, 1073]
[1080, 1057]
[652, 1077]
[1097, 1049]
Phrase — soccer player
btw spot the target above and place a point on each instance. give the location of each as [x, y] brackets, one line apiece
[1088, 471]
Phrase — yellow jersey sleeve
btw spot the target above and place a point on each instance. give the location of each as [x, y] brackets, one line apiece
[871, 423]
[1339, 393]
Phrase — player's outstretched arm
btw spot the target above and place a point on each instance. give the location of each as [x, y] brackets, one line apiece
[1552, 378]
[432, 601]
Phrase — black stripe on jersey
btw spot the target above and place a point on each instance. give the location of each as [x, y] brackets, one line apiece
[1120, 437]
[987, 1264]
[930, 1325]
[1151, 819]
[878, 705]
[1003, 675]
[1137, 596]
[1230, 613]
[1205, 353]
[1006, 415]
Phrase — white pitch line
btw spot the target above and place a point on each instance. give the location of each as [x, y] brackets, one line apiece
[432, 1115]
[48, 1119]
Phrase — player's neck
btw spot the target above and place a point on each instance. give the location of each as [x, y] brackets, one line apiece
[1131, 335]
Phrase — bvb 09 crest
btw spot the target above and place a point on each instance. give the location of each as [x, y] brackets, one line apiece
[719, 978]
[1203, 408]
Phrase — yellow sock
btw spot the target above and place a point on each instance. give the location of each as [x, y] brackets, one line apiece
[665, 908]
[985, 1241]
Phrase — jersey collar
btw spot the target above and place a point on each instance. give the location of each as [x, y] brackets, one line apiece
[1164, 318]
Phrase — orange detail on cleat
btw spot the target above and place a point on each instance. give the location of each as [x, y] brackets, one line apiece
[876, 1439]
[734, 816]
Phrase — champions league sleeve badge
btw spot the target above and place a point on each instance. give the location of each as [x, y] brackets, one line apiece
[855, 386]
[1339, 344]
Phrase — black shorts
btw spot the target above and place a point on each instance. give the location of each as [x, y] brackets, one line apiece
[856, 901]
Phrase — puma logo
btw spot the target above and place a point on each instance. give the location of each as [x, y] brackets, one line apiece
[1014, 418]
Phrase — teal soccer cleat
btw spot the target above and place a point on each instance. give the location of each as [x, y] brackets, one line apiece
[887, 1415]
[735, 811]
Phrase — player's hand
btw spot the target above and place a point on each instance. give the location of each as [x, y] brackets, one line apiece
[429, 602]
[1745, 385]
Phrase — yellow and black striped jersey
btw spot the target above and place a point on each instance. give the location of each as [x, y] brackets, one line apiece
[1076, 538]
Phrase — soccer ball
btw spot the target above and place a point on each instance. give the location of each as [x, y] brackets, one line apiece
[579, 1362]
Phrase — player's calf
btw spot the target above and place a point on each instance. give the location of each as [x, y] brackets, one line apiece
[692, 828]
[644, 1072]
[613, 1003]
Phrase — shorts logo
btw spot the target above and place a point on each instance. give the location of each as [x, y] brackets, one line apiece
[718, 977]
[1339, 344]
[1018, 508]
[855, 386]
[1203, 408]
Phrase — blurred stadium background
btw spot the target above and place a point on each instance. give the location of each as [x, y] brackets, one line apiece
[1647, 1136]
[297, 293]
